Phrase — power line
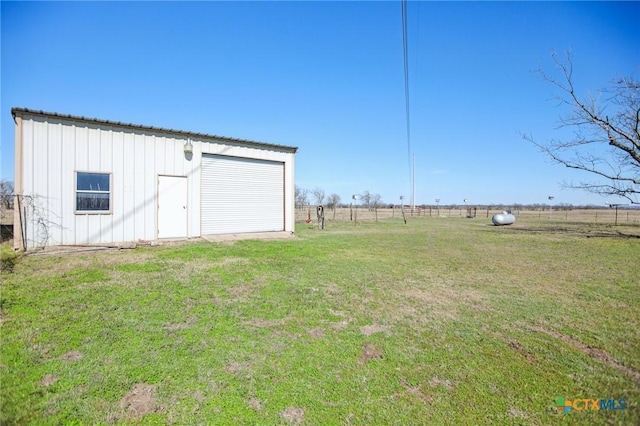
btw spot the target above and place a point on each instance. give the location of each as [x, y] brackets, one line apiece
[405, 51]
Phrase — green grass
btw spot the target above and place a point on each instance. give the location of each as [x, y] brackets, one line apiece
[440, 321]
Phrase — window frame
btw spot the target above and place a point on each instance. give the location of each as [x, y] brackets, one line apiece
[84, 191]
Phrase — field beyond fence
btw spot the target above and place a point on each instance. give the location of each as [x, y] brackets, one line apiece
[595, 216]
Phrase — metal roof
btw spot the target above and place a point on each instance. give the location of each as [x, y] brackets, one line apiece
[20, 111]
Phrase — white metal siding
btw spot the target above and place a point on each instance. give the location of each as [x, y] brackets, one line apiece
[55, 148]
[241, 195]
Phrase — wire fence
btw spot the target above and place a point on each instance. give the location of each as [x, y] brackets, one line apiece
[309, 213]
[602, 216]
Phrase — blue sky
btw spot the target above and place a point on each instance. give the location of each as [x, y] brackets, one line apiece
[328, 77]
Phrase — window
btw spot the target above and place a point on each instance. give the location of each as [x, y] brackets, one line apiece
[93, 192]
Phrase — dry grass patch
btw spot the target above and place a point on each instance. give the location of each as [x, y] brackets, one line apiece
[293, 415]
[598, 354]
[237, 367]
[441, 303]
[48, 380]
[340, 325]
[518, 414]
[446, 383]
[317, 332]
[370, 352]
[173, 327]
[140, 400]
[416, 392]
[255, 404]
[368, 330]
[262, 323]
[71, 356]
[243, 291]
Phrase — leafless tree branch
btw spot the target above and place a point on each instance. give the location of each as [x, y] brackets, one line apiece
[606, 137]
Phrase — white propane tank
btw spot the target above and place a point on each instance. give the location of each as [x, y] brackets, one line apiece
[504, 218]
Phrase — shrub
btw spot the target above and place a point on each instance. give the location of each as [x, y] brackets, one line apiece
[8, 259]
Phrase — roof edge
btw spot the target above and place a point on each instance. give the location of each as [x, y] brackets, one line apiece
[19, 111]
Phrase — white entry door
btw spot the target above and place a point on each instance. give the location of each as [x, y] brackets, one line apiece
[172, 207]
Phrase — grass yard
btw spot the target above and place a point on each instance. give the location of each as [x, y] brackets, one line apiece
[440, 321]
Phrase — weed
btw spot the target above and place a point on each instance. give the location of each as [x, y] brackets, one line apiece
[8, 259]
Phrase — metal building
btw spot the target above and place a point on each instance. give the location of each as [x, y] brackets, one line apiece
[89, 181]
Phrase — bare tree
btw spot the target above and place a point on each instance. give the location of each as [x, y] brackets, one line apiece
[376, 200]
[366, 199]
[301, 197]
[318, 194]
[332, 202]
[6, 194]
[606, 138]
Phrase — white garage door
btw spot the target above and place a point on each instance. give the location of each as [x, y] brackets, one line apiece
[241, 195]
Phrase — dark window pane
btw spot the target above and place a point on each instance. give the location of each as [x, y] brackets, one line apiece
[91, 201]
[93, 182]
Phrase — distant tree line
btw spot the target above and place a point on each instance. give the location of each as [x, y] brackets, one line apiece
[317, 196]
[305, 198]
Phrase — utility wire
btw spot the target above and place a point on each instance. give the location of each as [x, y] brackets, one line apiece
[405, 50]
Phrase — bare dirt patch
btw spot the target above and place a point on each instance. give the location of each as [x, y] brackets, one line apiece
[255, 404]
[139, 401]
[48, 380]
[516, 346]
[370, 352]
[71, 356]
[293, 415]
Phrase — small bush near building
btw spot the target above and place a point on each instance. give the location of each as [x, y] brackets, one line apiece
[8, 259]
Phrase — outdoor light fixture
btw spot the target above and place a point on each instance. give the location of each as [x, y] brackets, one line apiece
[356, 197]
[188, 147]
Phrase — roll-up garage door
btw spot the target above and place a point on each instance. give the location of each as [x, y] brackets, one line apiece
[241, 195]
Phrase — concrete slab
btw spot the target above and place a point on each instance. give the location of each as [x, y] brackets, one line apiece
[248, 236]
